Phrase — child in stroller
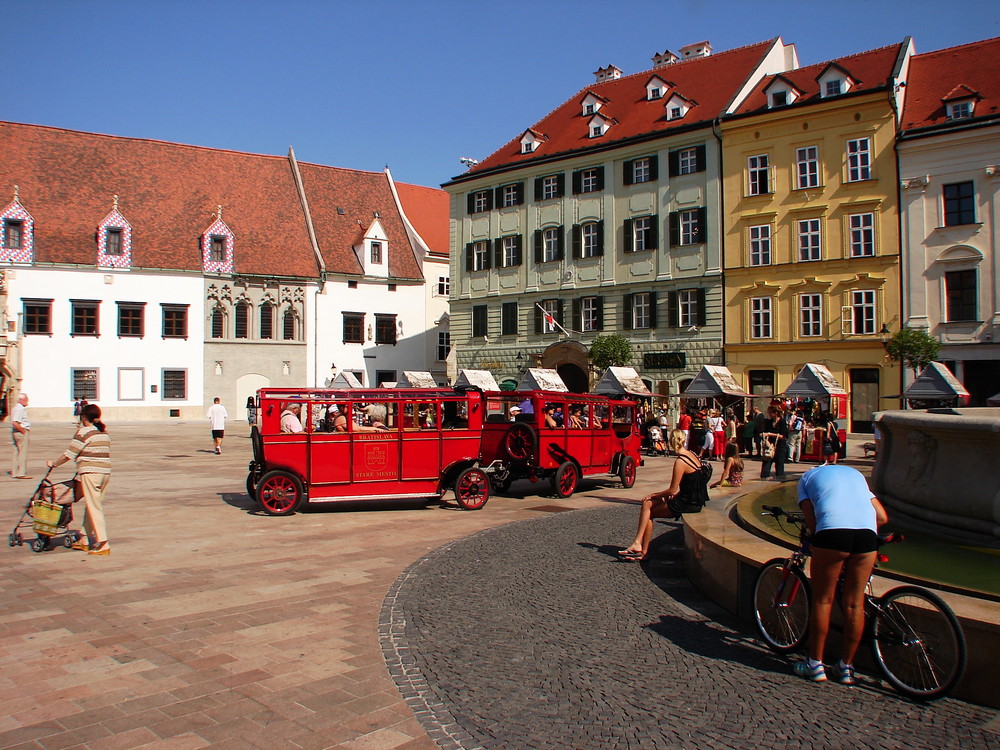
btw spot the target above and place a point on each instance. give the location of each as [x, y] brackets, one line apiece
[49, 512]
[657, 445]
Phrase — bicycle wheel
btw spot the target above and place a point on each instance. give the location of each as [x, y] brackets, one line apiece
[918, 643]
[781, 599]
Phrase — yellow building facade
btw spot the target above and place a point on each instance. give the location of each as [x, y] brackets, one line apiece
[811, 252]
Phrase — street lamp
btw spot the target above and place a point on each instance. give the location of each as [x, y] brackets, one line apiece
[520, 362]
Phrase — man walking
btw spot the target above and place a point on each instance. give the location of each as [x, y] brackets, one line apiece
[217, 416]
[795, 425]
[19, 428]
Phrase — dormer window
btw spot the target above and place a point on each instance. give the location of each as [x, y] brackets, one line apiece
[596, 131]
[780, 92]
[834, 81]
[591, 104]
[833, 88]
[217, 249]
[960, 109]
[113, 241]
[376, 252]
[656, 88]
[530, 140]
[599, 125]
[779, 98]
[13, 234]
[677, 107]
[527, 147]
[655, 92]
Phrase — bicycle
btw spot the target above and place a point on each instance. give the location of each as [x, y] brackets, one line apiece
[915, 638]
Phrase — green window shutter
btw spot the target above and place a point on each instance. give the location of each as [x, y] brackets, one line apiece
[561, 243]
[600, 314]
[673, 163]
[673, 312]
[468, 256]
[629, 167]
[674, 228]
[700, 158]
[654, 167]
[627, 312]
[560, 185]
[520, 193]
[600, 237]
[652, 309]
[702, 225]
[538, 319]
[538, 245]
[653, 235]
[575, 323]
[577, 241]
[518, 241]
[702, 311]
[629, 244]
[577, 182]
[498, 253]
[471, 202]
[600, 178]
[538, 189]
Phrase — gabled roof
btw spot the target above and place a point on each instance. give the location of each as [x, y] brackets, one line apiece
[814, 381]
[711, 81]
[168, 192]
[343, 204]
[960, 92]
[934, 75]
[834, 65]
[428, 210]
[935, 382]
[869, 71]
[712, 381]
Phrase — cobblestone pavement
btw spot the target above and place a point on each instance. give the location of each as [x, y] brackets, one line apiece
[534, 635]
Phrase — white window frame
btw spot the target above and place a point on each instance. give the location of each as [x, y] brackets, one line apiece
[761, 318]
[760, 244]
[550, 187]
[444, 286]
[588, 313]
[810, 315]
[859, 159]
[860, 318]
[480, 201]
[589, 181]
[960, 110]
[550, 306]
[550, 244]
[640, 231]
[508, 196]
[758, 175]
[810, 240]
[642, 170]
[807, 167]
[829, 90]
[687, 307]
[641, 309]
[480, 255]
[690, 229]
[508, 248]
[862, 234]
[687, 161]
[589, 239]
[443, 345]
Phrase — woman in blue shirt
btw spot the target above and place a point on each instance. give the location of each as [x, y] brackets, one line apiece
[842, 517]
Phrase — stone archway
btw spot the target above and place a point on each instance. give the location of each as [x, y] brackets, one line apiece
[572, 361]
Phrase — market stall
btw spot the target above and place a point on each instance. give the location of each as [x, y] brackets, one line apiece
[715, 383]
[416, 379]
[936, 386]
[482, 380]
[815, 383]
[618, 381]
[541, 379]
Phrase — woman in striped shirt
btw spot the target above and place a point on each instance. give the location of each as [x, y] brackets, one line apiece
[91, 449]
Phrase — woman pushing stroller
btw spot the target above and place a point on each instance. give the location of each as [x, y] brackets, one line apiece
[91, 449]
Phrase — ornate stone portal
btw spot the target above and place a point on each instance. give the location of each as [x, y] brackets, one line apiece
[571, 360]
[941, 467]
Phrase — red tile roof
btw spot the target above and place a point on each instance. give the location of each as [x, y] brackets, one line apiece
[343, 204]
[429, 211]
[935, 75]
[869, 71]
[710, 81]
[168, 192]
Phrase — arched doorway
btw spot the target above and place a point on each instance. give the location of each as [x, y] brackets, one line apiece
[572, 361]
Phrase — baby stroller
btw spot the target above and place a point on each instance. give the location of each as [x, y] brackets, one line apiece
[657, 445]
[48, 513]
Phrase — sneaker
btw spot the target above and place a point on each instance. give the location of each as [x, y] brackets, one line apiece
[816, 674]
[218, 451]
[845, 673]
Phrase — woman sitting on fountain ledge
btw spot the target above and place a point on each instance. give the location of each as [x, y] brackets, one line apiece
[687, 493]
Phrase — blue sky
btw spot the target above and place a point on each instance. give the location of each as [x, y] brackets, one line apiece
[414, 85]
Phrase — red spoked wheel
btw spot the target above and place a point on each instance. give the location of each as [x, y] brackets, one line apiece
[472, 489]
[519, 442]
[565, 479]
[279, 493]
[626, 471]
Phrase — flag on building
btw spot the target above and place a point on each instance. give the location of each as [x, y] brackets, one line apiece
[550, 320]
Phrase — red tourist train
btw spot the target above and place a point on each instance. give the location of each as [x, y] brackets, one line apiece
[320, 446]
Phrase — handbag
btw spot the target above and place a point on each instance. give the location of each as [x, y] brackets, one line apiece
[767, 448]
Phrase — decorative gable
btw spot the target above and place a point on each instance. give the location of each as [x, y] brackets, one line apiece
[114, 240]
[834, 81]
[591, 104]
[960, 102]
[372, 248]
[780, 92]
[656, 88]
[18, 242]
[677, 106]
[598, 125]
[530, 140]
[217, 245]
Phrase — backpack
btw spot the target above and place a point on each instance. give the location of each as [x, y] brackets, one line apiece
[797, 424]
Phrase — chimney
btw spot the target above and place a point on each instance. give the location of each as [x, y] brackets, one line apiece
[662, 59]
[610, 73]
[701, 49]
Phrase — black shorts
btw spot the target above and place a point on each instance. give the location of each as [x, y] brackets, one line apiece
[218, 433]
[851, 541]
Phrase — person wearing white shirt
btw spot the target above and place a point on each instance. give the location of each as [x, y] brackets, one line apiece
[19, 428]
[217, 416]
